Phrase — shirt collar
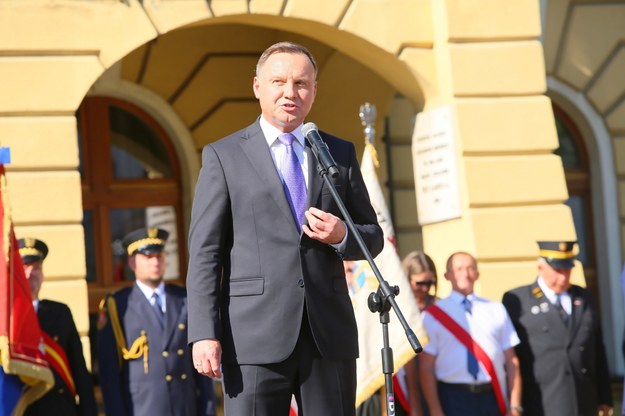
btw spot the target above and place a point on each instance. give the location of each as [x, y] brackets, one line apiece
[458, 297]
[271, 132]
[148, 291]
[549, 294]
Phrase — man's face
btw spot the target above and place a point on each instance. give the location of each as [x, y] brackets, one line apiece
[148, 268]
[462, 273]
[558, 280]
[286, 88]
[34, 275]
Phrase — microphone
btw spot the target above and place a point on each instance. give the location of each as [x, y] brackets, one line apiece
[320, 149]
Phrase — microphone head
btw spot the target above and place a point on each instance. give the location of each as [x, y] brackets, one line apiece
[308, 127]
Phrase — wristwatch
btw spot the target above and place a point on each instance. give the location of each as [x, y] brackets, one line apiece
[517, 408]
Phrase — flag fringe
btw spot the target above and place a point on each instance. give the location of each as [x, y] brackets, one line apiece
[31, 370]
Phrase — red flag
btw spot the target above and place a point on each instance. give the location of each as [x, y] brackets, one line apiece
[57, 359]
[21, 341]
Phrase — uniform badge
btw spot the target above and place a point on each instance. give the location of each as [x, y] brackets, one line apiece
[535, 310]
[544, 307]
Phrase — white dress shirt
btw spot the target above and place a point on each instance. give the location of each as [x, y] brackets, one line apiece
[565, 298]
[488, 324]
[148, 292]
[299, 145]
[278, 150]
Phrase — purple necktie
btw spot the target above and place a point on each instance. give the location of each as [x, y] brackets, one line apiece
[294, 184]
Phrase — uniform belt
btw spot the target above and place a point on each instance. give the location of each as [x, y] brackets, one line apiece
[473, 388]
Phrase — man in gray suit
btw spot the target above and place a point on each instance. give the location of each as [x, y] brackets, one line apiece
[268, 301]
[561, 354]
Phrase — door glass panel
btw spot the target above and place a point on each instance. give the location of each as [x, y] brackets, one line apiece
[576, 203]
[136, 149]
[568, 150]
[90, 257]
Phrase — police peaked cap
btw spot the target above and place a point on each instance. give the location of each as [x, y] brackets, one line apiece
[145, 241]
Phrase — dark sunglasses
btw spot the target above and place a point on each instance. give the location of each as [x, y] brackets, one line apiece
[425, 283]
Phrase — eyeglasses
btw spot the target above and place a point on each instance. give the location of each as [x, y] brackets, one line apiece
[425, 283]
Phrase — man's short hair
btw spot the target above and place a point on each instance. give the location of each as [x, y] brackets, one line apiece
[285, 47]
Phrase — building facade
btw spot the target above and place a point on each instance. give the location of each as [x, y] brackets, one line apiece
[106, 105]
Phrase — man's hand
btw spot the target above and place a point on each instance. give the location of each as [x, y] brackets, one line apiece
[323, 226]
[207, 357]
[604, 410]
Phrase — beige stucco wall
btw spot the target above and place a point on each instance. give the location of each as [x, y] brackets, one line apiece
[52, 52]
[483, 59]
[512, 187]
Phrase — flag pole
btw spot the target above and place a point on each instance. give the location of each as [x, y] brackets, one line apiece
[383, 299]
[24, 373]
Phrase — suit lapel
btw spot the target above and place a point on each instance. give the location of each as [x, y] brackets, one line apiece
[173, 307]
[44, 313]
[140, 306]
[577, 310]
[255, 148]
[541, 305]
[315, 182]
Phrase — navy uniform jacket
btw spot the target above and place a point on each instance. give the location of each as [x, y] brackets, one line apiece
[564, 370]
[171, 385]
[56, 320]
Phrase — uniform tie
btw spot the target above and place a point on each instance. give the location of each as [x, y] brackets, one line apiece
[472, 365]
[561, 311]
[294, 183]
[157, 305]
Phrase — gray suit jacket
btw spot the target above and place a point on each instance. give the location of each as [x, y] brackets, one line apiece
[250, 269]
[564, 370]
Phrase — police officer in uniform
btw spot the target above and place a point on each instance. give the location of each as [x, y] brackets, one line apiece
[144, 360]
[72, 393]
[562, 357]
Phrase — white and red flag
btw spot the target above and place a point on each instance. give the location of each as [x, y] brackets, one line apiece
[369, 365]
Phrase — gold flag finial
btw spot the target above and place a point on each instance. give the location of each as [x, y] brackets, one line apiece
[367, 114]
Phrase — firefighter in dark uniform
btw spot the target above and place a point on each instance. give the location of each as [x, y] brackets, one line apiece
[72, 393]
[561, 354]
[144, 358]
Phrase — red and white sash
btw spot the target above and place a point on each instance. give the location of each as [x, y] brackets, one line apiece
[465, 338]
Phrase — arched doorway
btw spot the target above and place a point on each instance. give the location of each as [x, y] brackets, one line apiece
[575, 161]
[130, 179]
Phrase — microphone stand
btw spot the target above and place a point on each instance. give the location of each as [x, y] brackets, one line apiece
[382, 300]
